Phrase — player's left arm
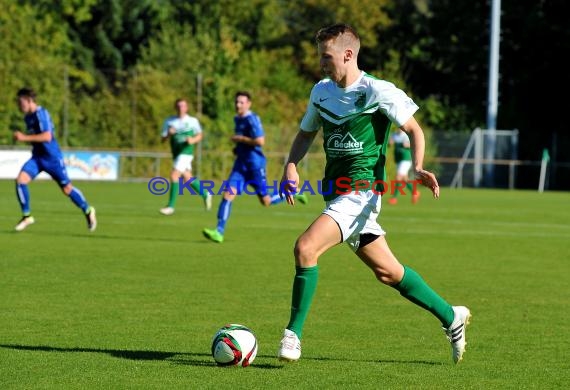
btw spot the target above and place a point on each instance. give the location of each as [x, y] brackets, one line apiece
[417, 144]
[194, 139]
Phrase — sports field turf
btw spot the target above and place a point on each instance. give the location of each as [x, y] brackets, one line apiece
[135, 304]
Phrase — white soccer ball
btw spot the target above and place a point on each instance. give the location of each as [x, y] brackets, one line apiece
[234, 345]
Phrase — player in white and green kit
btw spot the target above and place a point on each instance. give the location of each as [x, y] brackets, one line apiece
[184, 132]
[403, 159]
[355, 111]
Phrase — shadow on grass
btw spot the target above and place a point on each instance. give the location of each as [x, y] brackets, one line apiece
[381, 361]
[119, 353]
[198, 359]
[256, 365]
[182, 358]
[101, 236]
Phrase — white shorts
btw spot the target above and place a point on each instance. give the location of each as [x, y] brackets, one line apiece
[183, 162]
[404, 167]
[356, 214]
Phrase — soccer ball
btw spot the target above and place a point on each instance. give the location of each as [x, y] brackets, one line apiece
[234, 345]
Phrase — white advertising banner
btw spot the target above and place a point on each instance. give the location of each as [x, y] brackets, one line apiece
[80, 165]
[11, 162]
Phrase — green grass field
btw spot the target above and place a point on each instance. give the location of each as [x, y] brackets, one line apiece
[135, 304]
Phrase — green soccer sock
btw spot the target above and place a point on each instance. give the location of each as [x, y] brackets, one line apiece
[304, 286]
[396, 189]
[410, 188]
[173, 194]
[196, 187]
[415, 289]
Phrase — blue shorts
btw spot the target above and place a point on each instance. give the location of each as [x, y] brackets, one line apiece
[240, 178]
[53, 167]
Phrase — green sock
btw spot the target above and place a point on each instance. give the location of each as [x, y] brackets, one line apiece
[196, 187]
[397, 188]
[173, 194]
[415, 289]
[410, 188]
[304, 286]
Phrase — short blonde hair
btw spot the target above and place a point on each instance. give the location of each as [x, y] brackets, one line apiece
[342, 34]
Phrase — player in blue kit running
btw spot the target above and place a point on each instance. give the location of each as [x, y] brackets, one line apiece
[46, 157]
[249, 166]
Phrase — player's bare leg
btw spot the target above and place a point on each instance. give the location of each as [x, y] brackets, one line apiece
[323, 234]
[388, 270]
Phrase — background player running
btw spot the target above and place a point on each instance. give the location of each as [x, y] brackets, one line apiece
[249, 166]
[46, 157]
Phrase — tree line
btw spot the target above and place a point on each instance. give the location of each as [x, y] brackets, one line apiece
[110, 70]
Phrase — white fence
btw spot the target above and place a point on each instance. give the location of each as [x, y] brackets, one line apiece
[461, 162]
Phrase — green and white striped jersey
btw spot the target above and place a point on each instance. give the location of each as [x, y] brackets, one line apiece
[185, 127]
[356, 121]
[401, 151]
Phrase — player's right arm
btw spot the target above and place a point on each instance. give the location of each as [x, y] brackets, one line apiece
[44, 136]
[310, 124]
[256, 134]
[45, 133]
[167, 130]
[290, 180]
[238, 138]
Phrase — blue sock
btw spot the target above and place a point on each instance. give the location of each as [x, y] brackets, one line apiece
[78, 199]
[275, 199]
[23, 195]
[223, 214]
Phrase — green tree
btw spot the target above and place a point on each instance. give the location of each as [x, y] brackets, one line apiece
[35, 50]
[107, 34]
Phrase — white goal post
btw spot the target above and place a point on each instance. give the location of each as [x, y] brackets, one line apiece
[474, 154]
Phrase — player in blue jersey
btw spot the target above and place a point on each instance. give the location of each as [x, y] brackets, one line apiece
[46, 157]
[249, 165]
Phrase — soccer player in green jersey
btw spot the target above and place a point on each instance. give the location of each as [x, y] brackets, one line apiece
[403, 159]
[184, 132]
[355, 111]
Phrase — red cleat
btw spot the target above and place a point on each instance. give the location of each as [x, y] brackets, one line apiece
[415, 197]
[393, 200]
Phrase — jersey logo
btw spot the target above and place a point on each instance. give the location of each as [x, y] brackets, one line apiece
[338, 145]
[360, 99]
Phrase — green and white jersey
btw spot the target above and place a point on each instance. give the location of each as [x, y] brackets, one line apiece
[401, 151]
[185, 127]
[356, 121]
